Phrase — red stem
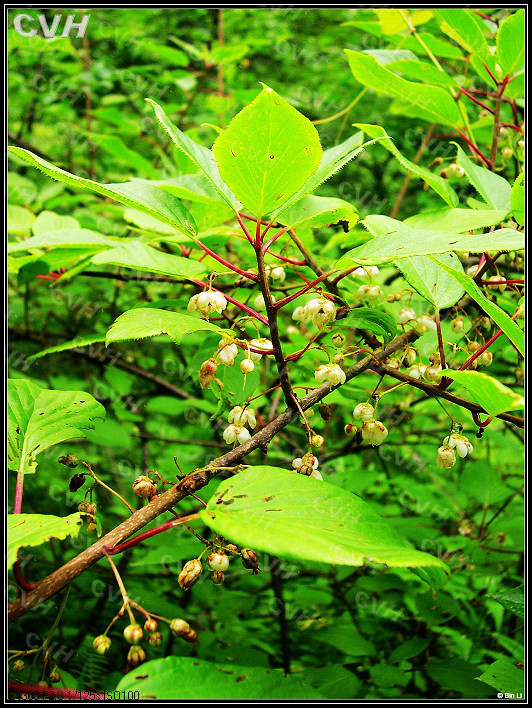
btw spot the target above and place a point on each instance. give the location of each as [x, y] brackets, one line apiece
[246, 232]
[148, 534]
[274, 237]
[490, 74]
[20, 579]
[475, 100]
[49, 692]
[286, 300]
[501, 282]
[239, 304]
[221, 260]
[19, 493]
[293, 261]
[480, 351]
[474, 148]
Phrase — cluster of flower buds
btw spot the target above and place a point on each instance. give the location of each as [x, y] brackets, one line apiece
[452, 444]
[275, 273]
[372, 431]
[144, 488]
[366, 272]
[190, 574]
[332, 373]
[307, 465]
[238, 418]
[154, 637]
[369, 292]
[425, 323]
[218, 562]
[247, 365]
[207, 303]
[319, 310]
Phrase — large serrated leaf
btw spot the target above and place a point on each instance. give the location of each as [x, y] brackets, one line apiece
[457, 220]
[142, 196]
[431, 281]
[64, 238]
[513, 600]
[267, 152]
[25, 530]
[511, 43]
[149, 322]
[438, 184]
[39, 418]
[395, 240]
[83, 341]
[186, 677]
[293, 516]
[201, 156]
[141, 257]
[431, 103]
[493, 188]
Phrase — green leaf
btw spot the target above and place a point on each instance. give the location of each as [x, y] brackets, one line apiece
[505, 677]
[34, 529]
[150, 200]
[293, 516]
[508, 326]
[438, 184]
[144, 322]
[430, 103]
[487, 391]
[182, 677]
[331, 162]
[84, 341]
[517, 199]
[513, 600]
[50, 221]
[267, 153]
[376, 321]
[396, 240]
[430, 281]
[457, 220]
[201, 156]
[462, 26]
[511, 43]
[312, 211]
[68, 238]
[39, 418]
[194, 187]
[19, 220]
[141, 257]
[494, 189]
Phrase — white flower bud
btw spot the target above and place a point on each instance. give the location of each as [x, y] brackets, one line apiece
[247, 366]
[210, 301]
[324, 314]
[317, 475]
[332, 373]
[234, 433]
[193, 304]
[242, 416]
[445, 457]
[410, 355]
[374, 432]
[363, 411]
[363, 290]
[374, 292]
[486, 358]
[301, 314]
[278, 273]
[425, 323]
[259, 303]
[227, 352]
[406, 314]
[433, 373]
[460, 442]
[457, 325]
[365, 272]
[262, 344]
[418, 371]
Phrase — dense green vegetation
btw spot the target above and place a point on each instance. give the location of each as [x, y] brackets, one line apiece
[266, 354]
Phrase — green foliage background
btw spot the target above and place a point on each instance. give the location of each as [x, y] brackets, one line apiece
[365, 632]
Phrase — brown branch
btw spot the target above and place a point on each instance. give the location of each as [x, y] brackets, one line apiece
[56, 581]
[440, 393]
